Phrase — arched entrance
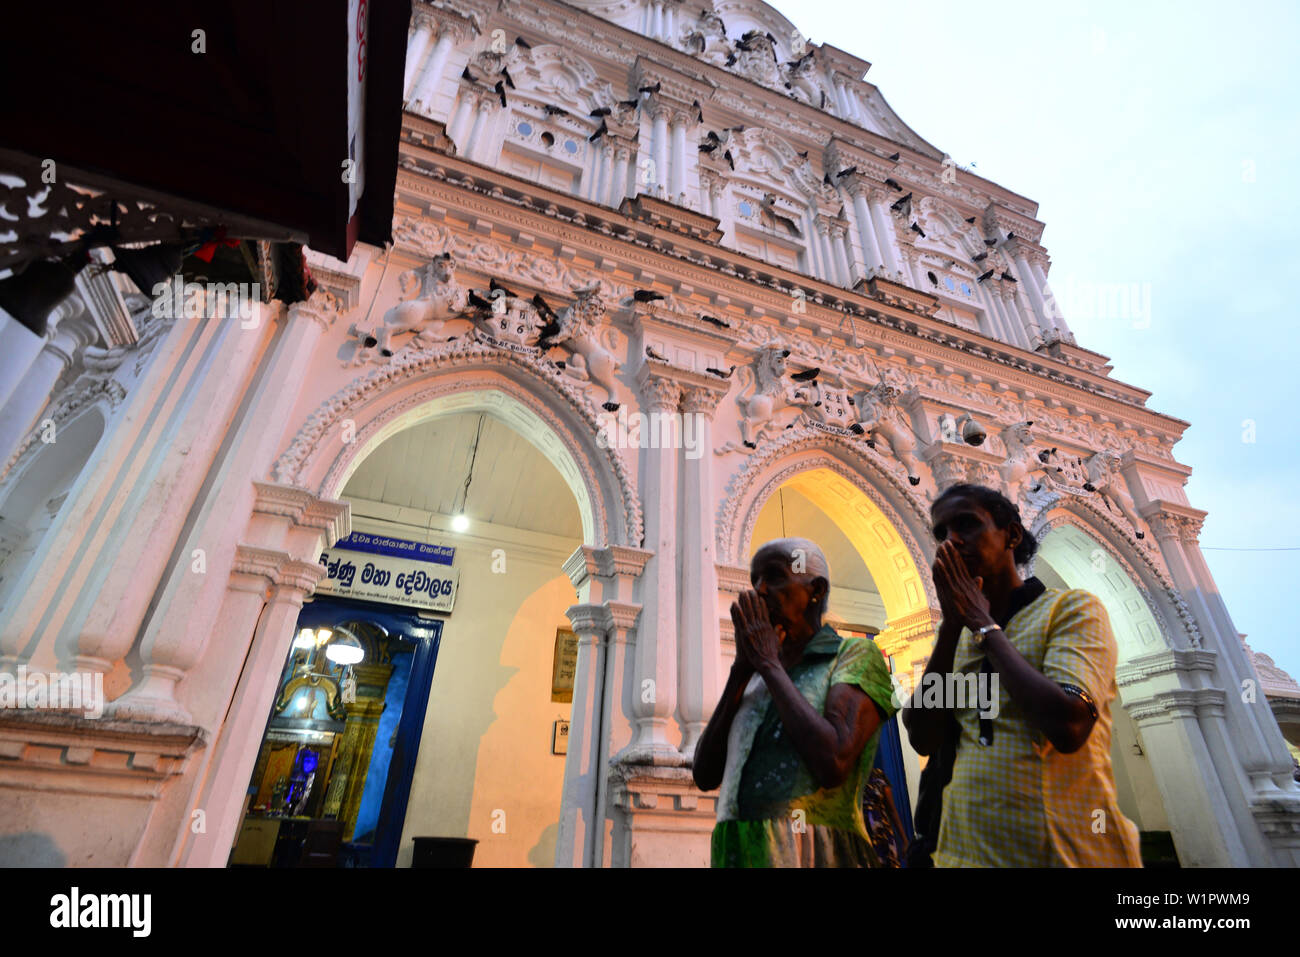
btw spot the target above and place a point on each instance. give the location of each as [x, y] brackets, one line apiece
[501, 640]
[1167, 781]
[870, 529]
[1069, 557]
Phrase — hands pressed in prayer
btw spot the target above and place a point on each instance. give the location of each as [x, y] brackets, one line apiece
[758, 641]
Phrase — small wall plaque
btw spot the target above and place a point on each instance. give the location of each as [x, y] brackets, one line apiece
[565, 665]
[560, 738]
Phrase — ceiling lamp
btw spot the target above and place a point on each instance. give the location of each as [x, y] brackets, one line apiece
[345, 649]
[305, 641]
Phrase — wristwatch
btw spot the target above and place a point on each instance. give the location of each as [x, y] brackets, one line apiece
[982, 635]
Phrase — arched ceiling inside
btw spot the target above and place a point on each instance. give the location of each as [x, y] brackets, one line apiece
[424, 467]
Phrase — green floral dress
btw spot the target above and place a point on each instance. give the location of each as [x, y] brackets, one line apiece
[770, 811]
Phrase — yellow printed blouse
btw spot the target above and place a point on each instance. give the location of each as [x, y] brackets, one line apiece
[1019, 802]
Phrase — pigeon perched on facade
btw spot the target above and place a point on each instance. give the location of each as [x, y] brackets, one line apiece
[647, 295]
[716, 321]
[770, 217]
[806, 376]
[986, 275]
[719, 373]
[654, 355]
[893, 185]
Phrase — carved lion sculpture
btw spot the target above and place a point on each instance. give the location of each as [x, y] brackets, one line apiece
[579, 335]
[766, 394]
[1104, 478]
[1021, 461]
[431, 296]
[882, 417]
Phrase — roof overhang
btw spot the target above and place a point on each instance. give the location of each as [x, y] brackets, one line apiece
[287, 112]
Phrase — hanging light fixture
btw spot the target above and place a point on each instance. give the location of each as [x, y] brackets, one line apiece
[345, 649]
[460, 521]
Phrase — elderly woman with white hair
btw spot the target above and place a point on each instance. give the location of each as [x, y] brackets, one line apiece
[793, 740]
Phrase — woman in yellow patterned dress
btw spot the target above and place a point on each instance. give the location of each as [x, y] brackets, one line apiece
[1032, 784]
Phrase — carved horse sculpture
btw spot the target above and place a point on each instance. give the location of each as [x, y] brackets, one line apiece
[882, 417]
[1021, 461]
[763, 397]
[431, 296]
[1104, 478]
[588, 360]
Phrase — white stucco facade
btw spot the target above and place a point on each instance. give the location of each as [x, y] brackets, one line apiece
[786, 221]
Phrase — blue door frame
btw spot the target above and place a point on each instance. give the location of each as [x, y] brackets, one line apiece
[889, 758]
[427, 633]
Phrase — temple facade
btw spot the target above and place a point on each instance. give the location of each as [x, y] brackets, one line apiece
[667, 281]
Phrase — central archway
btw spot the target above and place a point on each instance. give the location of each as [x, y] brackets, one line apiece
[870, 524]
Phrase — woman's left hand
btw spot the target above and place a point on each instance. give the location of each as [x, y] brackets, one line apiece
[756, 637]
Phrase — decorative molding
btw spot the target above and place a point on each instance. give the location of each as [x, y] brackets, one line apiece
[51, 751]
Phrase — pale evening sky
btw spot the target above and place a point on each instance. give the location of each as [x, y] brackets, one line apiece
[1162, 144]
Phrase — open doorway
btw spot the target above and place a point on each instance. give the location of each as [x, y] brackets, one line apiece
[334, 767]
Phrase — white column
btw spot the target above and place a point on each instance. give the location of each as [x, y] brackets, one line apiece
[460, 120]
[885, 234]
[659, 144]
[828, 257]
[416, 46]
[19, 413]
[579, 826]
[841, 99]
[1004, 299]
[184, 613]
[875, 261]
[654, 683]
[235, 751]
[997, 325]
[815, 260]
[700, 657]
[19, 347]
[85, 593]
[1028, 315]
[604, 187]
[841, 254]
[1030, 285]
[1052, 305]
[677, 172]
[474, 146]
[430, 80]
